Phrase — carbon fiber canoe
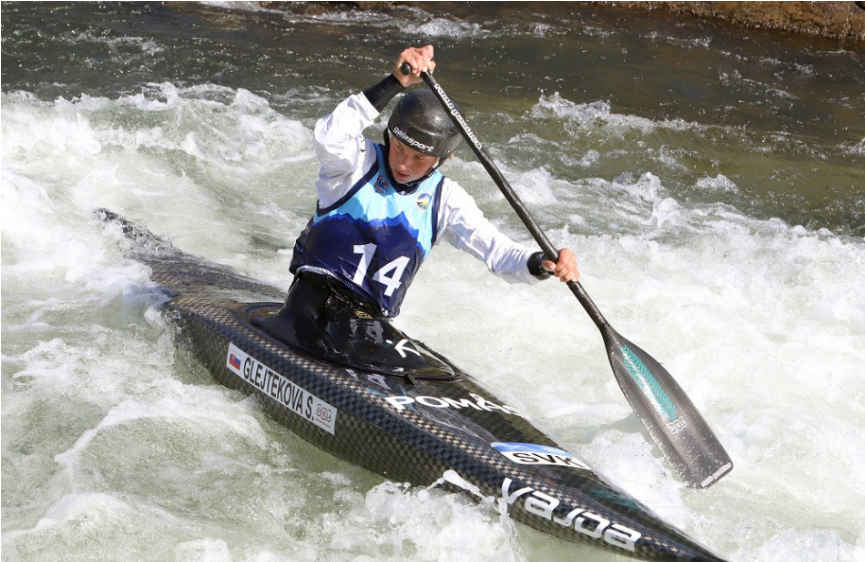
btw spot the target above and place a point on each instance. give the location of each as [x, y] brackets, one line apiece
[408, 429]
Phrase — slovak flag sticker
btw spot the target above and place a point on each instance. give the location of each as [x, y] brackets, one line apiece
[235, 359]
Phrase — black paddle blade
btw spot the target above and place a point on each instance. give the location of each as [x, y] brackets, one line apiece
[684, 437]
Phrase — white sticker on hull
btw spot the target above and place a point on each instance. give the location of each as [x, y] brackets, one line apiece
[583, 521]
[298, 400]
[476, 402]
[529, 454]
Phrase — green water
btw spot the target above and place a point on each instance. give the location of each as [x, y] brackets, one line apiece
[780, 116]
[677, 157]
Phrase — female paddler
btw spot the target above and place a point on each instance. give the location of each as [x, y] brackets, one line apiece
[381, 208]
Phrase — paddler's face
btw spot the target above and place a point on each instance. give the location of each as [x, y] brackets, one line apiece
[407, 164]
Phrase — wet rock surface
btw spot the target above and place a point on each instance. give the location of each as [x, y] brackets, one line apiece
[834, 20]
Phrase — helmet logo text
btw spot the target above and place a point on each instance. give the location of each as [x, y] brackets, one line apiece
[403, 136]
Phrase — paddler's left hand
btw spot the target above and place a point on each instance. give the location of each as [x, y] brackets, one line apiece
[566, 268]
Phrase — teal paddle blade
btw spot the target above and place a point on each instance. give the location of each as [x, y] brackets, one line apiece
[683, 436]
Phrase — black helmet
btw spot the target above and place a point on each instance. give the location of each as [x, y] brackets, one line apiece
[420, 122]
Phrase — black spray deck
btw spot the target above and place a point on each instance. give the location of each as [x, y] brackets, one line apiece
[409, 430]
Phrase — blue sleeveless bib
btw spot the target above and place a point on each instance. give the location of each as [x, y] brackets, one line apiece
[374, 239]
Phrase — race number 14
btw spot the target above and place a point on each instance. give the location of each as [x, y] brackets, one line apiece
[389, 275]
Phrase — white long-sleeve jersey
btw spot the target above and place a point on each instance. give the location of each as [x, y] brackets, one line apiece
[346, 156]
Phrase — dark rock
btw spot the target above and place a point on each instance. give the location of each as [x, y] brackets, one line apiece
[834, 20]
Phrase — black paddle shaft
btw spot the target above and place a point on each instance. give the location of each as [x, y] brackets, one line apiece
[540, 237]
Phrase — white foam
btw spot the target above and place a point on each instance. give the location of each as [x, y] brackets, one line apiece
[858, 148]
[445, 27]
[400, 521]
[203, 550]
[599, 115]
[718, 183]
[240, 6]
[94, 508]
[760, 321]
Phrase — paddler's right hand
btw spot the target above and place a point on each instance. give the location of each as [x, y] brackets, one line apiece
[420, 59]
[566, 268]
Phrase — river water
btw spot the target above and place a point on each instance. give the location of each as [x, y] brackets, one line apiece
[710, 180]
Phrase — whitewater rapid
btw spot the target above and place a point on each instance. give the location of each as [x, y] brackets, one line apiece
[110, 430]
[717, 226]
